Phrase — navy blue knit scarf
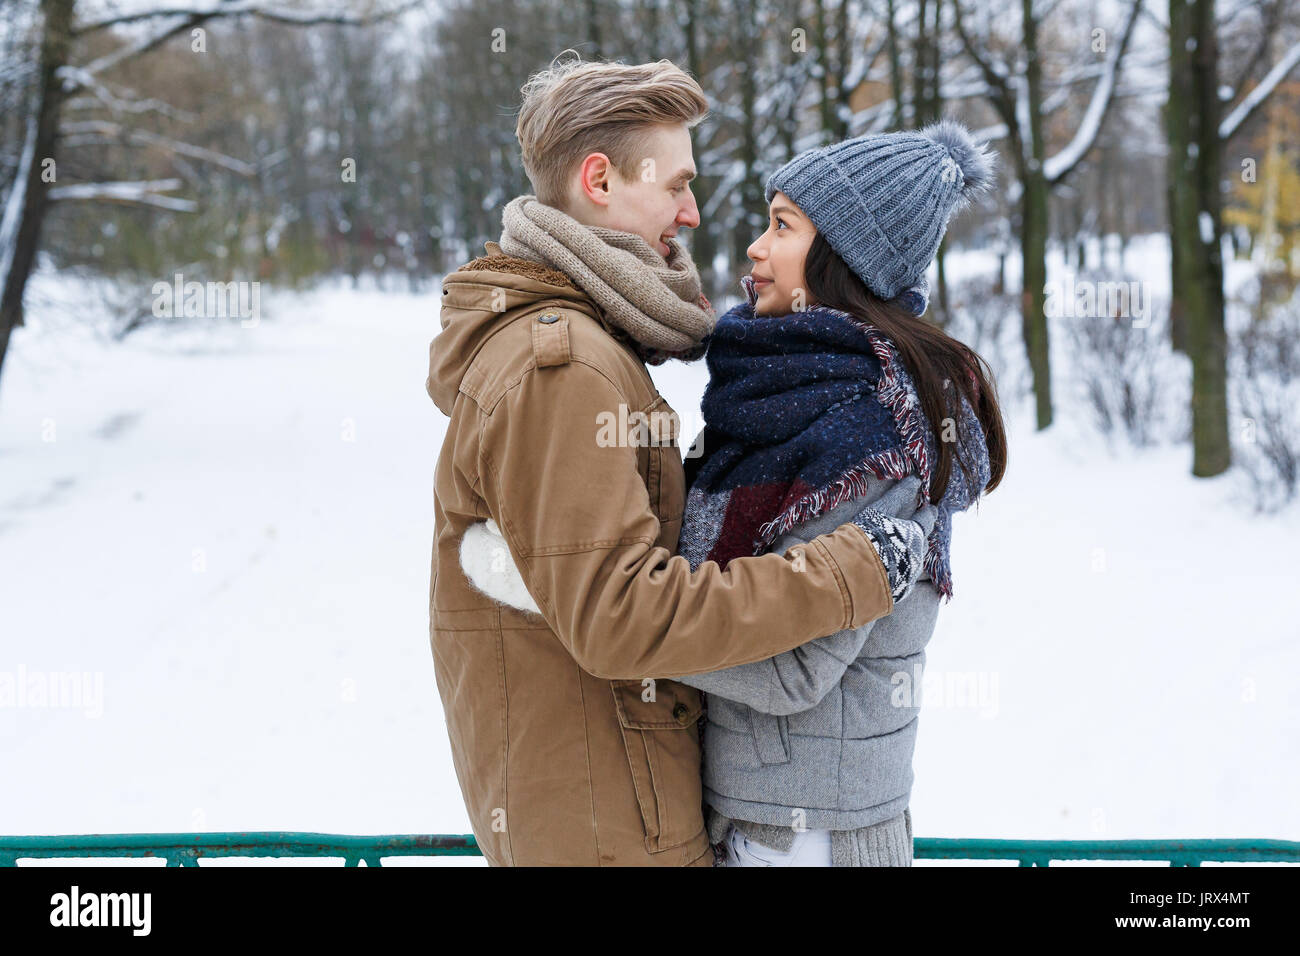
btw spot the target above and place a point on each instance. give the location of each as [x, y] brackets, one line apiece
[799, 410]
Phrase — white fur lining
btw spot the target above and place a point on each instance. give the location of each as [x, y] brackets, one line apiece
[486, 561]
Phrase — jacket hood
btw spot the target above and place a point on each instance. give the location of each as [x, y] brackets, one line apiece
[480, 299]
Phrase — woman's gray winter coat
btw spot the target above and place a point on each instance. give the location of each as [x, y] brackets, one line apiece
[822, 736]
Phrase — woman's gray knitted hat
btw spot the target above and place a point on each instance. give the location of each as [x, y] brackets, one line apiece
[883, 200]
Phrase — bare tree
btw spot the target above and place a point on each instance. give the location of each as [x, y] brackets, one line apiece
[1019, 92]
[1197, 133]
[61, 75]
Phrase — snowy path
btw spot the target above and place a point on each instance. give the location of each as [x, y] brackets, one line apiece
[232, 527]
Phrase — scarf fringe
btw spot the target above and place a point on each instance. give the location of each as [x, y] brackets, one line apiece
[939, 570]
[851, 484]
[898, 398]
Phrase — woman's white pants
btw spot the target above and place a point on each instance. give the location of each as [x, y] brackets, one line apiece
[811, 848]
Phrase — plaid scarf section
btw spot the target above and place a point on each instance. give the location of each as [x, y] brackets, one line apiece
[800, 409]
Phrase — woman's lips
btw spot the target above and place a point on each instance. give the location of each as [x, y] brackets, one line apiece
[762, 283]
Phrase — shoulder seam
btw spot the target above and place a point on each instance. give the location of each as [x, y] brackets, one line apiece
[533, 367]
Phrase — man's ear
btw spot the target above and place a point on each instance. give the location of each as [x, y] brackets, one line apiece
[594, 178]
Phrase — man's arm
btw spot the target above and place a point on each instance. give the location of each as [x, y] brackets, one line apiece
[579, 526]
[798, 679]
[791, 682]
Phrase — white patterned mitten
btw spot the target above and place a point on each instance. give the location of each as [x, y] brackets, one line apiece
[900, 542]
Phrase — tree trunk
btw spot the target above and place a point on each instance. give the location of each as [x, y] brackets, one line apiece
[752, 206]
[824, 68]
[1033, 237]
[844, 63]
[920, 67]
[43, 138]
[593, 29]
[1202, 278]
[1033, 252]
[1180, 166]
[926, 108]
[703, 240]
[943, 316]
[895, 68]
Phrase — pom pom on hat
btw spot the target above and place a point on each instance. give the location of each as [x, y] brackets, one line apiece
[973, 161]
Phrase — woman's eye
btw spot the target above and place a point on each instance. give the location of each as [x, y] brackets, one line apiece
[780, 222]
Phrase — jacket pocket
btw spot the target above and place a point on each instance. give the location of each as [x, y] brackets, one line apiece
[663, 754]
[771, 736]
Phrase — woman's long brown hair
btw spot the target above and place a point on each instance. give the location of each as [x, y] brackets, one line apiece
[931, 356]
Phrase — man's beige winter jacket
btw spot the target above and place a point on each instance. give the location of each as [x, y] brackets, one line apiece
[571, 742]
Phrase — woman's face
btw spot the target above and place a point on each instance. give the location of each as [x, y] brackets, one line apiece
[778, 256]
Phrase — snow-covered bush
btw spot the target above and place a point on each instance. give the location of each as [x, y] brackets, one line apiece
[988, 320]
[1264, 374]
[1121, 365]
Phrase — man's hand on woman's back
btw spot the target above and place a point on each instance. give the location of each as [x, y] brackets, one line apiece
[898, 531]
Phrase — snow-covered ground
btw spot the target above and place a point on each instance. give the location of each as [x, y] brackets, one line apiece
[229, 530]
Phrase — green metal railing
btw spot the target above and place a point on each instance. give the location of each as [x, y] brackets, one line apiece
[1176, 852]
[185, 849]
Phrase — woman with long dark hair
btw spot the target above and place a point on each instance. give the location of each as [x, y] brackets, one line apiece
[829, 392]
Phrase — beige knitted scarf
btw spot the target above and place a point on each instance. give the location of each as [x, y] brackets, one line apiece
[657, 301]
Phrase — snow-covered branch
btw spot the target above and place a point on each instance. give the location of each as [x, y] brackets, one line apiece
[257, 8]
[189, 17]
[80, 78]
[13, 214]
[1056, 168]
[1232, 122]
[75, 79]
[106, 130]
[860, 66]
[994, 74]
[134, 193]
[1271, 12]
[989, 134]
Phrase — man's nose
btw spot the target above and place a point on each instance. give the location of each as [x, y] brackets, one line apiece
[690, 216]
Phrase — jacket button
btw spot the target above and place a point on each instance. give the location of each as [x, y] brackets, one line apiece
[548, 317]
[680, 712]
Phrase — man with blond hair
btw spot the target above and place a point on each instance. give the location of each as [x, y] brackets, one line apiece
[572, 743]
